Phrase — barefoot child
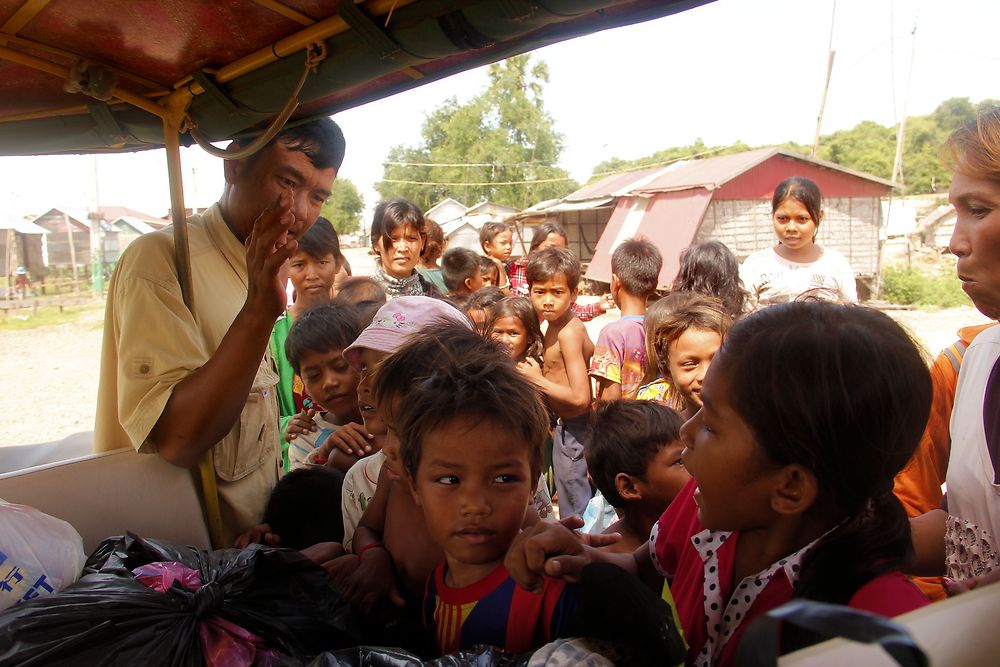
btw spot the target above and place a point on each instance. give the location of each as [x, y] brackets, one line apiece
[634, 456]
[471, 436]
[808, 412]
[620, 353]
[553, 276]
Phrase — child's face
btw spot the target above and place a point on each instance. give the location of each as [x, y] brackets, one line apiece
[474, 282]
[665, 477]
[374, 423]
[312, 277]
[552, 298]
[488, 274]
[734, 479]
[688, 359]
[501, 245]
[331, 381]
[473, 482]
[553, 240]
[401, 252]
[511, 332]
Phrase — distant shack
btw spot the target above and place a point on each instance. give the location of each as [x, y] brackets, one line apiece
[725, 198]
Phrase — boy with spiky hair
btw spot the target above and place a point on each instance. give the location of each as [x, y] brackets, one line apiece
[620, 354]
[634, 457]
[553, 277]
[471, 434]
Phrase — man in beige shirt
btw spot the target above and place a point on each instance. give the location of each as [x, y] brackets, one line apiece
[180, 383]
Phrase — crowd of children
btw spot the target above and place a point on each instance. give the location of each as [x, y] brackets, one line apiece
[729, 460]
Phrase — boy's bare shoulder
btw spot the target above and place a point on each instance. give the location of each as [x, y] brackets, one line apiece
[574, 330]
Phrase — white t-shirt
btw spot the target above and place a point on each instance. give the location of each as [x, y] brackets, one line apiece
[358, 490]
[772, 279]
[973, 527]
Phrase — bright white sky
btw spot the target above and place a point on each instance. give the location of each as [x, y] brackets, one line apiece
[731, 70]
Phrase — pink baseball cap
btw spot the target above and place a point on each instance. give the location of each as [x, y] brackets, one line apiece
[398, 320]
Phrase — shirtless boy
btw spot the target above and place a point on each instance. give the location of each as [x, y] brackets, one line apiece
[553, 276]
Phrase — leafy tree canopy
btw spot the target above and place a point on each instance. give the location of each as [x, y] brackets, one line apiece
[867, 147]
[501, 146]
[344, 207]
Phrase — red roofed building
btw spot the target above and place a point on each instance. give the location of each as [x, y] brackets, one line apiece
[726, 198]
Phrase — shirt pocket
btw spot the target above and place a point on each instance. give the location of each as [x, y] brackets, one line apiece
[254, 445]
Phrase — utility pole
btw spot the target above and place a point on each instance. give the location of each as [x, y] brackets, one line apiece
[826, 86]
[897, 163]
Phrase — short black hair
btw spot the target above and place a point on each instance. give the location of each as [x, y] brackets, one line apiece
[320, 329]
[637, 263]
[457, 264]
[321, 240]
[450, 372]
[551, 262]
[485, 298]
[625, 435]
[321, 140]
[288, 509]
[542, 233]
[393, 213]
[361, 292]
[487, 264]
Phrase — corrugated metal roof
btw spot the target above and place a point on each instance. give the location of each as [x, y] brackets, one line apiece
[708, 173]
[716, 171]
[610, 185]
[21, 226]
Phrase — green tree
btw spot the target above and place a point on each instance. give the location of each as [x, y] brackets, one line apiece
[344, 207]
[867, 147]
[501, 145]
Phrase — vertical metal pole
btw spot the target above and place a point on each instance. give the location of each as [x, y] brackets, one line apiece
[96, 242]
[182, 260]
[72, 253]
[182, 253]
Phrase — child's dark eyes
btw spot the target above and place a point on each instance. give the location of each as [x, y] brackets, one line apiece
[505, 479]
[447, 479]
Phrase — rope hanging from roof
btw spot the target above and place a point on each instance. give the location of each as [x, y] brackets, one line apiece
[315, 54]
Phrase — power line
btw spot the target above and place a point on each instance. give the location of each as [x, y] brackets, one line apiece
[480, 183]
[469, 164]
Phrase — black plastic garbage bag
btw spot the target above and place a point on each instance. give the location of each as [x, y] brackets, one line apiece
[374, 656]
[111, 618]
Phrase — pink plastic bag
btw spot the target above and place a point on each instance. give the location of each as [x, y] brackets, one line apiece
[223, 644]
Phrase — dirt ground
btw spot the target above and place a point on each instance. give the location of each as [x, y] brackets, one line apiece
[52, 371]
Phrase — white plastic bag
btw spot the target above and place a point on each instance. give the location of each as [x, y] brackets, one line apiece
[39, 554]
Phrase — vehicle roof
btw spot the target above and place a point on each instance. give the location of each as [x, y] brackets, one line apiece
[230, 65]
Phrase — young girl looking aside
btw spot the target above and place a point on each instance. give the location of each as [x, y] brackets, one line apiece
[515, 325]
[684, 344]
[809, 410]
